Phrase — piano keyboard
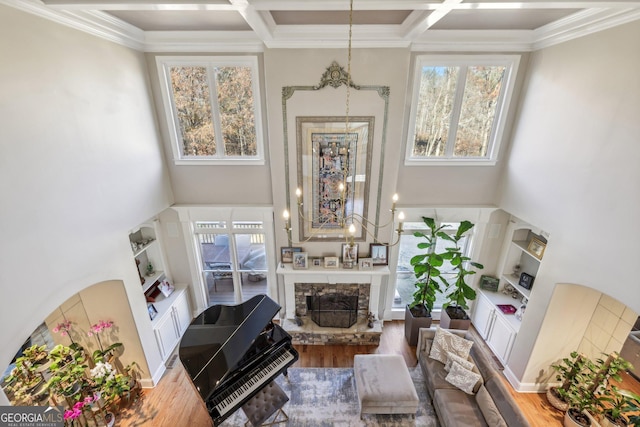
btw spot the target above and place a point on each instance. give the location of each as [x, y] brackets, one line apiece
[261, 375]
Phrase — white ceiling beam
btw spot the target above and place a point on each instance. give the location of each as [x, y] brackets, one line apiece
[430, 19]
[253, 19]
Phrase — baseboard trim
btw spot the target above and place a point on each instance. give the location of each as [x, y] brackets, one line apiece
[523, 387]
[150, 383]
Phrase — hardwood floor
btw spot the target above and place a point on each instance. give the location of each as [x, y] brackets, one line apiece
[174, 402]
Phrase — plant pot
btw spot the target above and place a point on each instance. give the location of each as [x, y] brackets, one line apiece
[413, 324]
[555, 400]
[454, 318]
[110, 419]
[606, 421]
[575, 418]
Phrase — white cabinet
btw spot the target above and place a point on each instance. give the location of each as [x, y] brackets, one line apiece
[501, 337]
[173, 320]
[483, 315]
[499, 330]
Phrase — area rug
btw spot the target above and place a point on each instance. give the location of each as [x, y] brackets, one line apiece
[326, 397]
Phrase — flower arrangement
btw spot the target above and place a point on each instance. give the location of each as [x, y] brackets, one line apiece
[64, 329]
[71, 415]
[102, 373]
[97, 330]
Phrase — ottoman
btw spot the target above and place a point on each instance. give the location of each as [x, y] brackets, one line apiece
[384, 385]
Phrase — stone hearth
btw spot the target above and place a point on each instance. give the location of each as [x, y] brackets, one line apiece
[312, 334]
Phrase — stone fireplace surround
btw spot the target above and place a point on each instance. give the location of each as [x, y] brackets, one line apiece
[300, 283]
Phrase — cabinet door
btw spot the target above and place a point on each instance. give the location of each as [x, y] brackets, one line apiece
[483, 316]
[501, 338]
[182, 314]
[166, 335]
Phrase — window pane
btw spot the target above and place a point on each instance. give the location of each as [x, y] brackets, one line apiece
[235, 99]
[478, 110]
[405, 278]
[192, 101]
[433, 116]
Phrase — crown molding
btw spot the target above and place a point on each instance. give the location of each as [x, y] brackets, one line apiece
[582, 24]
[202, 41]
[474, 41]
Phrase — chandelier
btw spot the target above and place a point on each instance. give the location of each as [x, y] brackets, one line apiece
[342, 211]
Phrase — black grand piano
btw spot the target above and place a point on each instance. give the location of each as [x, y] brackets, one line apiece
[232, 351]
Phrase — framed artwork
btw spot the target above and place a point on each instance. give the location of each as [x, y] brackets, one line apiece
[333, 174]
[536, 247]
[300, 260]
[166, 288]
[316, 262]
[286, 254]
[152, 311]
[365, 264]
[331, 262]
[379, 253]
[349, 252]
[347, 264]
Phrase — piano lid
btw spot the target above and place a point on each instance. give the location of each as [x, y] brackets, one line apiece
[219, 337]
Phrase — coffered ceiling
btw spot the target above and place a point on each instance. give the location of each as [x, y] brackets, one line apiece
[252, 25]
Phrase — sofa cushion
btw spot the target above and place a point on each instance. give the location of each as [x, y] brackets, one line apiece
[444, 341]
[505, 403]
[464, 379]
[456, 408]
[489, 409]
[452, 357]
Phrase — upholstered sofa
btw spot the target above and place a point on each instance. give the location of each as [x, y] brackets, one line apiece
[490, 403]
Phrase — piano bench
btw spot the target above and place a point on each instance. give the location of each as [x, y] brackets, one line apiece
[263, 405]
[384, 385]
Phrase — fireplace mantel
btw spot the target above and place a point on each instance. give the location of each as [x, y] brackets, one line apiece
[331, 276]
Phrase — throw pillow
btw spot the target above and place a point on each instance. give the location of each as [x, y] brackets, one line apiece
[488, 408]
[462, 378]
[452, 357]
[445, 341]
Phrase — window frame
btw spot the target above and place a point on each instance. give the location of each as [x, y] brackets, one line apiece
[511, 62]
[163, 65]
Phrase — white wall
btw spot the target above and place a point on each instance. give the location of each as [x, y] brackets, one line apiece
[574, 173]
[80, 165]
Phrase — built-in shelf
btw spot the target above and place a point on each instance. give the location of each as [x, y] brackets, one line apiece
[513, 281]
[150, 280]
[523, 245]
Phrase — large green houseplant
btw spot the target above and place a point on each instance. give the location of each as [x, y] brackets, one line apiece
[426, 268]
[454, 315]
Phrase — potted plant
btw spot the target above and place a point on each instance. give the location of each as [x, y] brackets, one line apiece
[426, 271]
[67, 369]
[632, 407]
[613, 403]
[453, 315]
[566, 372]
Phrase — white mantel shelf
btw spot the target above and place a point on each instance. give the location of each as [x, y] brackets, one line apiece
[331, 276]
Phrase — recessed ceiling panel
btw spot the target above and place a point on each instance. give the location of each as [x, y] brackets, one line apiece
[516, 19]
[192, 20]
[339, 17]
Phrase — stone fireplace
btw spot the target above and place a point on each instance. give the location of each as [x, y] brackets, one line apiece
[301, 285]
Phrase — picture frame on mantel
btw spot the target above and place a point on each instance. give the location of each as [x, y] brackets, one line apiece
[379, 254]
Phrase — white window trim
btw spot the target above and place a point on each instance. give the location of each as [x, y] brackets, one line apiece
[164, 63]
[511, 63]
